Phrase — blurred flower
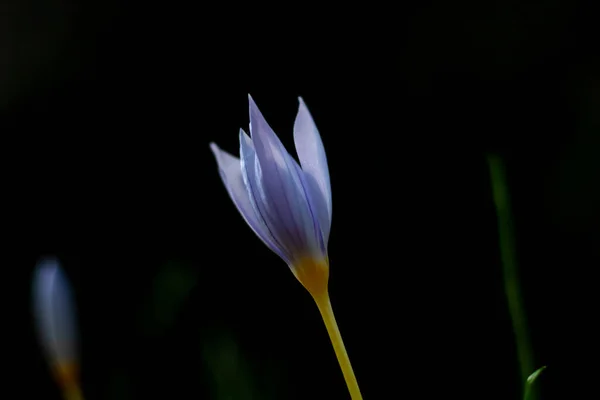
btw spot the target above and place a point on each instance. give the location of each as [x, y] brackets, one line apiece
[287, 206]
[55, 321]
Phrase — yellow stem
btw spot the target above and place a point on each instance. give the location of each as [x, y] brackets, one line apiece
[324, 305]
[314, 276]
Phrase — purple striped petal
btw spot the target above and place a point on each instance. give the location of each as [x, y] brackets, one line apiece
[231, 174]
[311, 154]
[248, 170]
[282, 192]
[54, 312]
[251, 171]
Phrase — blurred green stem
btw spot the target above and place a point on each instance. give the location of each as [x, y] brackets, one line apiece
[510, 270]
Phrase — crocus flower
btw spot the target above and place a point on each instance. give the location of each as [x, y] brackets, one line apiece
[54, 315]
[288, 206]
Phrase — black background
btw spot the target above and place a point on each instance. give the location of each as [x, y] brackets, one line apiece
[107, 110]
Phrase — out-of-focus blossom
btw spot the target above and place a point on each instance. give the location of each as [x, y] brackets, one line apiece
[54, 314]
[287, 205]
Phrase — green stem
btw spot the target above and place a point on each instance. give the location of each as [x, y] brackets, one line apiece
[510, 270]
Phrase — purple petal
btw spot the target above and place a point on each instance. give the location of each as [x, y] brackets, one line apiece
[231, 174]
[282, 191]
[54, 312]
[311, 154]
[249, 166]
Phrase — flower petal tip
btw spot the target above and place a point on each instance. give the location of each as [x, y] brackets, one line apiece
[218, 153]
[251, 104]
[245, 139]
[302, 109]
